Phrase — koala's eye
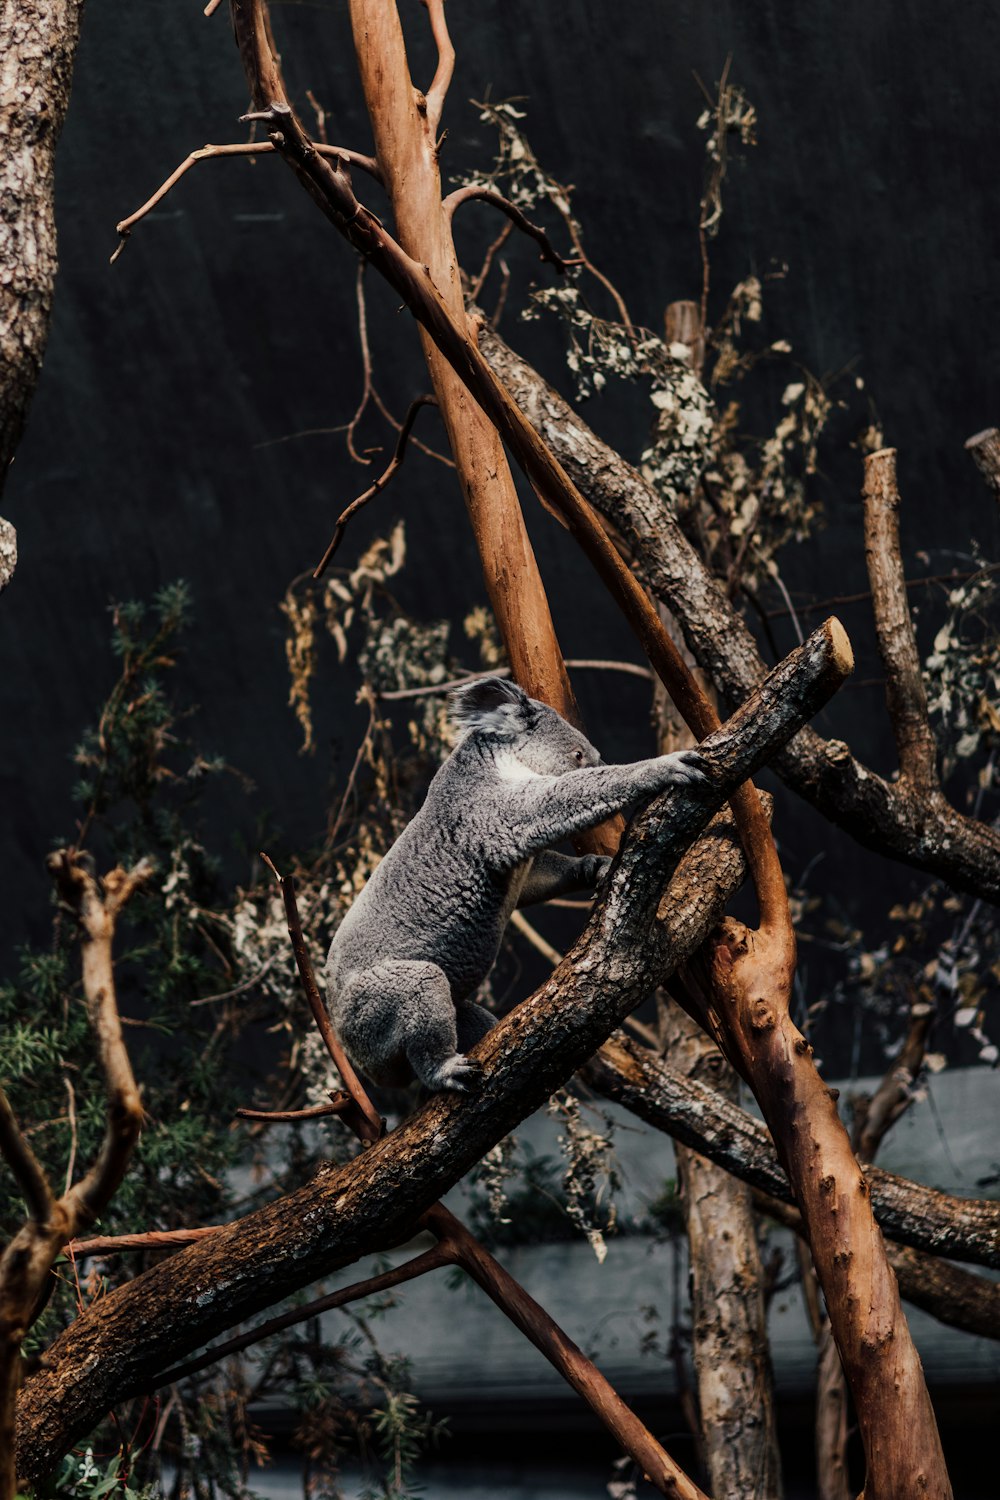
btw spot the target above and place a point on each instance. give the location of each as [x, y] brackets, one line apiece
[578, 757]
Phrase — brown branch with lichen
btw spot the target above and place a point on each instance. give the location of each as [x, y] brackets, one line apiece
[27, 1259]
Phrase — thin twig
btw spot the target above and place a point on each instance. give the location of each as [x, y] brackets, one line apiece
[364, 1118]
[237, 989]
[241, 148]
[73, 1138]
[440, 1254]
[384, 478]
[575, 664]
[490, 195]
[152, 1239]
[541, 945]
[492, 250]
[340, 1103]
[24, 1164]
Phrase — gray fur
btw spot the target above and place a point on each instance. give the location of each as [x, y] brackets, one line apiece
[425, 931]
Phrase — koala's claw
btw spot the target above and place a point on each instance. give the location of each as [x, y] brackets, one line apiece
[595, 869]
[691, 768]
[460, 1075]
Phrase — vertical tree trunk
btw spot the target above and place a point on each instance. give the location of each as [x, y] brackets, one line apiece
[730, 1347]
[37, 47]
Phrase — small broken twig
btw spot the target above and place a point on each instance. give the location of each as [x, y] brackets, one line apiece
[395, 463]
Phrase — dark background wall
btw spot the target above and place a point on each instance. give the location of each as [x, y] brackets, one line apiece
[228, 324]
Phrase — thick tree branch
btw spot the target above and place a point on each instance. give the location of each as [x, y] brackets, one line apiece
[960, 1228]
[375, 1201]
[905, 693]
[959, 1298]
[920, 830]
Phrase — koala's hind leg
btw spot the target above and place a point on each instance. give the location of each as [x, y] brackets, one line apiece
[474, 1021]
[401, 1013]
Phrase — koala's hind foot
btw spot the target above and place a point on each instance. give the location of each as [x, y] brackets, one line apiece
[398, 1020]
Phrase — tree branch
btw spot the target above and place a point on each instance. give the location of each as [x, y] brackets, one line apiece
[518, 219]
[985, 450]
[395, 463]
[375, 1201]
[438, 91]
[919, 830]
[242, 148]
[965, 1229]
[24, 1164]
[905, 694]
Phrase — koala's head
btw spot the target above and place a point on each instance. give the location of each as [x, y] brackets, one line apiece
[526, 736]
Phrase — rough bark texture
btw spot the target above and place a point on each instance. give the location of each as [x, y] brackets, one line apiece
[729, 1320]
[920, 829]
[965, 1229]
[37, 46]
[906, 696]
[985, 449]
[8, 553]
[348, 1212]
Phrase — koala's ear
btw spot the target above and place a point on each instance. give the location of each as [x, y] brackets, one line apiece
[491, 703]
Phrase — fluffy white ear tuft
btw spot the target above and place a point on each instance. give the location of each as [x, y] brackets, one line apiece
[492, 704]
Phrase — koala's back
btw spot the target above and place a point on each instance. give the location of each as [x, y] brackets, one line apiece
[438, 895]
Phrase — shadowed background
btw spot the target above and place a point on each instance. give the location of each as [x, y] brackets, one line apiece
[163, 441]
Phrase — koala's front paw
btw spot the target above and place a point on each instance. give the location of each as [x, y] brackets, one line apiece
[460, 1075]
[594, 868]
[689, 768]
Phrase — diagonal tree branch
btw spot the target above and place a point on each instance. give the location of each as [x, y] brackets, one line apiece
[961, 1228]
[918, 829]
[344, 1213]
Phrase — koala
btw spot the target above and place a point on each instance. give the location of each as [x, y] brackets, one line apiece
[425, 931]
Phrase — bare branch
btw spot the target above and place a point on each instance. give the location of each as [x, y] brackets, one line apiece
[438, 91]
[905, 693]
[489, 195]
[439, 1255]
[395, 463]
[151, 1239]
[25, 1165]
[364, 1118]
[575, 664]
[952, 1295]
[97, 907]
[891, 817]
[964, 1229]
[985, 449]
[241, 148]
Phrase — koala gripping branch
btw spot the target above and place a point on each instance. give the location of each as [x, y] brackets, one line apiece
[348, 1212]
